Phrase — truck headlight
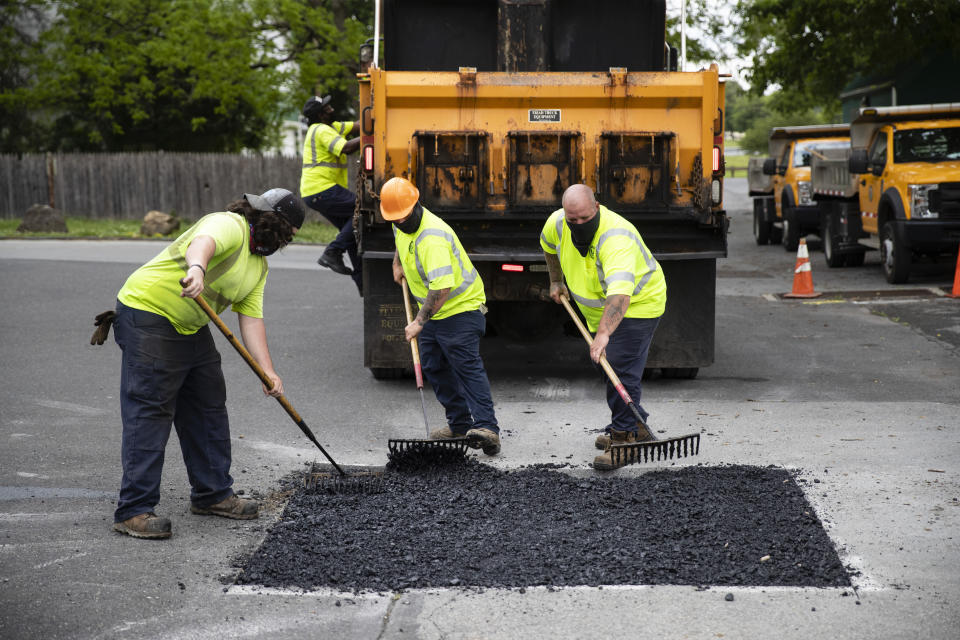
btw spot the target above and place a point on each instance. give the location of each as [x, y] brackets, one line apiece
[920, 202]
[804, 192]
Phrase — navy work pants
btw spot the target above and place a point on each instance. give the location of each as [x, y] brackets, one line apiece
[336, 204]
[168, 377]
[627, 354]
[450, 355]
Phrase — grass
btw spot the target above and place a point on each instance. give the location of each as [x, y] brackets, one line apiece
[311, 233]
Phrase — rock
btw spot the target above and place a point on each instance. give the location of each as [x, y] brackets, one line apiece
[159, 223]
[728, 597]
[41, 217]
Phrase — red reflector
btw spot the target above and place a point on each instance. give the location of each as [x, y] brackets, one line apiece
[716, 159]
[368, 158]
[511, 267]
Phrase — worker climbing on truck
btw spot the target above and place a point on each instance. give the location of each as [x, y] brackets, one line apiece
[450, 321]
[323, 182]
[621, 291]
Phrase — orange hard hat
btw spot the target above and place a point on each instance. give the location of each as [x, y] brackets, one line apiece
[397, 198]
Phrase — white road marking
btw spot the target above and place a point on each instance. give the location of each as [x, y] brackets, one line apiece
[44, 565]
[71, 407]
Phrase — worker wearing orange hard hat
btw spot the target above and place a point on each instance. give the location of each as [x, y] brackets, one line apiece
[451, 319]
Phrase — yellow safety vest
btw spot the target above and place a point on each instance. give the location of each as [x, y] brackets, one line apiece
[433, 258]
[617, 263]
[324, 164]
[234, 276]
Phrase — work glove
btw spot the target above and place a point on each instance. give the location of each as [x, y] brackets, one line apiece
[102, 322]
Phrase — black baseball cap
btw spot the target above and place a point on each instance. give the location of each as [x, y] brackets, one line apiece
[282, 202]
[314, 104]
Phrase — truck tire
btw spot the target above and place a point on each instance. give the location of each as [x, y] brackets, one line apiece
[856, 259]
[831, 247]
[679, 373]
[388, 373]
[761, 228]
[776, 234]
[791, 232]
[894, 257]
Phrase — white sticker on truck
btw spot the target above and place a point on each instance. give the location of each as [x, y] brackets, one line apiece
[544, 115]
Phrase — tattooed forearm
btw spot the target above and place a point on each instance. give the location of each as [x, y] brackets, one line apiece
[435, 300]
[553, 267]
[613, 312]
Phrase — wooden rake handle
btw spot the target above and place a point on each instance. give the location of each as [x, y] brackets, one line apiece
[414, 346]
[603, 359]
[264, 378]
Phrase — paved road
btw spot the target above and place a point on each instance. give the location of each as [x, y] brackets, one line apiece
[862, 398]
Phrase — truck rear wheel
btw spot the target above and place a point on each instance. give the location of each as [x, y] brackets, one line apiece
[894, 257]
[388, 373]
[831, 247]
[761, 228]
[679, 373]
[791, 232]
[855, 259]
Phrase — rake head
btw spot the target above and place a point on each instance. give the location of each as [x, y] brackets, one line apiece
[679, 447]
[424, 454]
[331, 482]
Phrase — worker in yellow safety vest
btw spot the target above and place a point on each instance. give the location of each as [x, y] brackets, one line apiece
[451, 319]
[323, 181]
[621, 292]
[171, 371]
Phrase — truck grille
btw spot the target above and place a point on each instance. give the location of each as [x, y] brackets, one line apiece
[946, 200]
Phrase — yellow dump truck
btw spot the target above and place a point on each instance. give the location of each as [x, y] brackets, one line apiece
[901, 191]
[493, 108]
[794, 213]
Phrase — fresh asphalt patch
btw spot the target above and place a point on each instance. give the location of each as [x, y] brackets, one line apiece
[470, 525]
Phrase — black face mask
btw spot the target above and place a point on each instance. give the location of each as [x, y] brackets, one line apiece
[412, 223]
[259, 249]
[582, 234]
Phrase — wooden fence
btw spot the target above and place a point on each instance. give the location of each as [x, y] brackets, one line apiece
[128, 185]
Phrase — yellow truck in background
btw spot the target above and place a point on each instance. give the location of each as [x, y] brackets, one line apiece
[793, 213]
[493, 108]
[901, 191]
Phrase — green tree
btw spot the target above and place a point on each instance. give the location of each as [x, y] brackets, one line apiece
[20, 23]
[813, 48]
[196, 75]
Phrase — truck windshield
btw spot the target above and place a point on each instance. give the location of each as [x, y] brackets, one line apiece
[802, 156]
[926, 145]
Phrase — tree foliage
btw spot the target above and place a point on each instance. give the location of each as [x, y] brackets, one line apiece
[20, 23]
[189, 75]
[812, 49]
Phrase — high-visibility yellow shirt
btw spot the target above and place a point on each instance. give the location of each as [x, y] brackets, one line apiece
[234, 276]
[324, 163]
[433, 259]
[617, 263]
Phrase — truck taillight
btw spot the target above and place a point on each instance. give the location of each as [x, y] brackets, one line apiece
[716, 159]
[511, 267]
[368, 158]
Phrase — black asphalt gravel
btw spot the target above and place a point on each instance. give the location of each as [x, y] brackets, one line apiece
[470, 525]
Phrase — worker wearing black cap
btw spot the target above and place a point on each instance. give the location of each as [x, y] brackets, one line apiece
[323, 183]
[171, 368]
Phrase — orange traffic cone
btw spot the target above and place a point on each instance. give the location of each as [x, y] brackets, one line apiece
[802, 277]
[956, 280]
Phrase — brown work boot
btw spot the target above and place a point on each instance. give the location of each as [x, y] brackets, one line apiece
[145, 525]
[642, 435]
[604, 462]
[444, 433]
[484, 439]
[233, 507]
